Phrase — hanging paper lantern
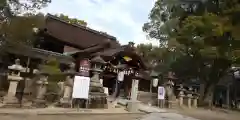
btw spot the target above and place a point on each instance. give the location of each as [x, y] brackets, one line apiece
[101, 81]
[155, 82]
[237, 74]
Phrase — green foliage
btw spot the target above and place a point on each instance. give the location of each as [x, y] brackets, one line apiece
[72, 20]
[205, 33]
[20, 28]
[17, 20]
[10, 8]
[159, 58]
[52, 67]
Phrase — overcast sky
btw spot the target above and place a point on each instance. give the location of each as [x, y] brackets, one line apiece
[121, 18]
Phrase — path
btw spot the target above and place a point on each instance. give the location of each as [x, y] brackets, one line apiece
[71, 117]
[204, 114]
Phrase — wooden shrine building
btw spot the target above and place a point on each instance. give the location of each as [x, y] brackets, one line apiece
[71, 43]
[82, 42]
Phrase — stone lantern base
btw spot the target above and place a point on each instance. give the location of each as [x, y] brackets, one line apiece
[97, 100]
[133, 106]
[10, 102]
[39, 103]
[65, 102]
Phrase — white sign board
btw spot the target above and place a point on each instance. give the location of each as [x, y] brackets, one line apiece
[81, 87]
[106, 90]
[161, 93]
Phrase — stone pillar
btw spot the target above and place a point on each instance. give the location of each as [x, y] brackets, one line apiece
[195, 101]
[13, 82]
[189, 96]
[132, 105]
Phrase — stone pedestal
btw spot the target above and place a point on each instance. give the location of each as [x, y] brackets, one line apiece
[132, 105]
[195, 102]
[66, 99]
[181, 100]
[28, 83]
[189, 102]
[41, 90]
[161, 103]
[61, 87]
[13, 82]
[189, 98]
[195, 98]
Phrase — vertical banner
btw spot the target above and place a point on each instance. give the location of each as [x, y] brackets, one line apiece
[84, 68]
[81, 87]
[161, 93]
[82, 80]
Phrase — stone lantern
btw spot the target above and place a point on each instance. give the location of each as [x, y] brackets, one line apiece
[97, 63]
[14, 78]
[68, 85]
[98, 99]
[41, 83]
[189, 96]
[195, 98]
[169, 84]
[181, 95]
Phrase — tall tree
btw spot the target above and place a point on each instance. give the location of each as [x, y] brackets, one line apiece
[206, 31]
[159, 58]
[10, 8]
[20, 29]
[10, 12]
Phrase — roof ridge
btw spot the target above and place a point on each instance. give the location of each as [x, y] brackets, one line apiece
[83, 27]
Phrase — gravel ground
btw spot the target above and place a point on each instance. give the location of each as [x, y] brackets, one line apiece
[71, 117]
[204, 114]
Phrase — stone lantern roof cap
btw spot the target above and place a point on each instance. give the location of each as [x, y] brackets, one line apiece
[154, 74]
[98, 59]
[121, 66]
[42, 73]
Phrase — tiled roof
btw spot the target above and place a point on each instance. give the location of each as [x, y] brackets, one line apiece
[37, 53]
[77, 36]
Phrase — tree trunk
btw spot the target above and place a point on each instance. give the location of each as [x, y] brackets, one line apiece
[208, 95]
[201, 92]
